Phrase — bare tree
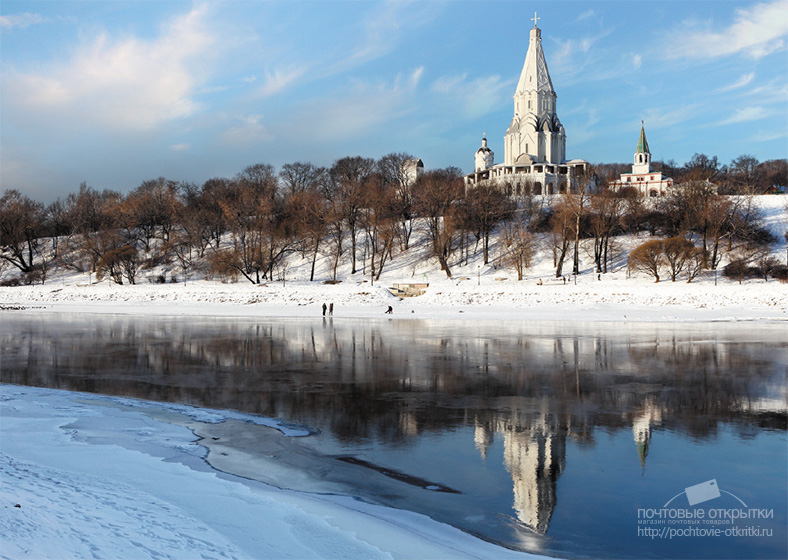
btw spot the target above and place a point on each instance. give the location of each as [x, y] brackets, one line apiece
[520, 246]
[311, 215]
[485, 207]
[261, 229]
[151, 207]
[607, 212]
[677, 252]
[379, 221]
[578, 202]
[435, 199]
[350, 176]
[94, 216]
[398, 170]
[745, 177]
[648, 258]
[700, 168]
[300, 177]
[697, 261]
[21, 226]
[117, 264]
[562, 232]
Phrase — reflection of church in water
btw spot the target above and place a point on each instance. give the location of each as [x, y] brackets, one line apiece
[641, 429]
[534, 453]
[535, 456]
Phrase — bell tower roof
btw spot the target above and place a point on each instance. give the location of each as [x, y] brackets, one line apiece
[642, 147]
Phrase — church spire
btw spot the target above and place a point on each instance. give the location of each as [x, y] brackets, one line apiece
[534, 75]
[642, 154]
[535, 133]
[642, 143]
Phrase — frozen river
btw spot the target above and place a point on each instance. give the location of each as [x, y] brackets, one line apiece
[556, 438]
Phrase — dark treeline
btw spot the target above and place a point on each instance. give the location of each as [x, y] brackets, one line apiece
[246, 227]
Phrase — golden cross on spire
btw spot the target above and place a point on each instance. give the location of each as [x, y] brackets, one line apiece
[535, 19]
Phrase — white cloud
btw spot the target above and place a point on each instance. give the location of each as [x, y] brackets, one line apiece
[740, 83]
[587, 130]
[745, 115]
[758, 30]
[279, 80]
[365, 109]
[762, 136]
[180, 147]
[586, 15]
[637, 61]
[574, 56]
[381, 31]
[415, 77]
[213, 89]
[250, 130]
[473, 98]
[125, 83]
[773, 92]
[20, 20]
[659, 118]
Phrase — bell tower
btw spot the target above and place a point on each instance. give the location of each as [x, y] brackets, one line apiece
[642, 162]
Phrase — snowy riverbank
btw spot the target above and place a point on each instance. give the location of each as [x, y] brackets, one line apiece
[476, 290]
[613, 298]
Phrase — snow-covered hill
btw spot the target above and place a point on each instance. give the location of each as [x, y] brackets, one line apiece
[475, 289]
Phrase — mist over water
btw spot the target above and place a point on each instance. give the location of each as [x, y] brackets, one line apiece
[542, 436]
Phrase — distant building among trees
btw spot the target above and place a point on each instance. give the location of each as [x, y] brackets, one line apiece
[642, 178]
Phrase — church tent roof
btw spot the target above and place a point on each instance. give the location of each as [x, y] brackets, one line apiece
[534, 75]
[642, 143]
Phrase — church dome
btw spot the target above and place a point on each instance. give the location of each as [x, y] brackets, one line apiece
[484, 149]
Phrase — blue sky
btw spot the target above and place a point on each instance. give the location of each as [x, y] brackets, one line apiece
[114, 93]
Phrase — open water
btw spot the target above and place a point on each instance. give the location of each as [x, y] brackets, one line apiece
[568, 439]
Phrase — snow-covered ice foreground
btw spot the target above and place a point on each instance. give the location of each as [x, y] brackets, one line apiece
[81, 477]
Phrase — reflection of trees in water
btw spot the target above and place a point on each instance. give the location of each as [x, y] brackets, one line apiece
[531, 390]
[391, 380]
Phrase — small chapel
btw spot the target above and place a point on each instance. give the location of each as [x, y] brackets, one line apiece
[643, 179]
[535, 142]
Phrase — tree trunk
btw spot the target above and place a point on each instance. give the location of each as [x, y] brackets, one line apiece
[314, 260]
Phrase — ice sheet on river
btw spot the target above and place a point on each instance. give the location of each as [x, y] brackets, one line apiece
[80, 479]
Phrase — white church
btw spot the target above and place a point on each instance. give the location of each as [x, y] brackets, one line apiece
[535, 143]
[643, 179]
